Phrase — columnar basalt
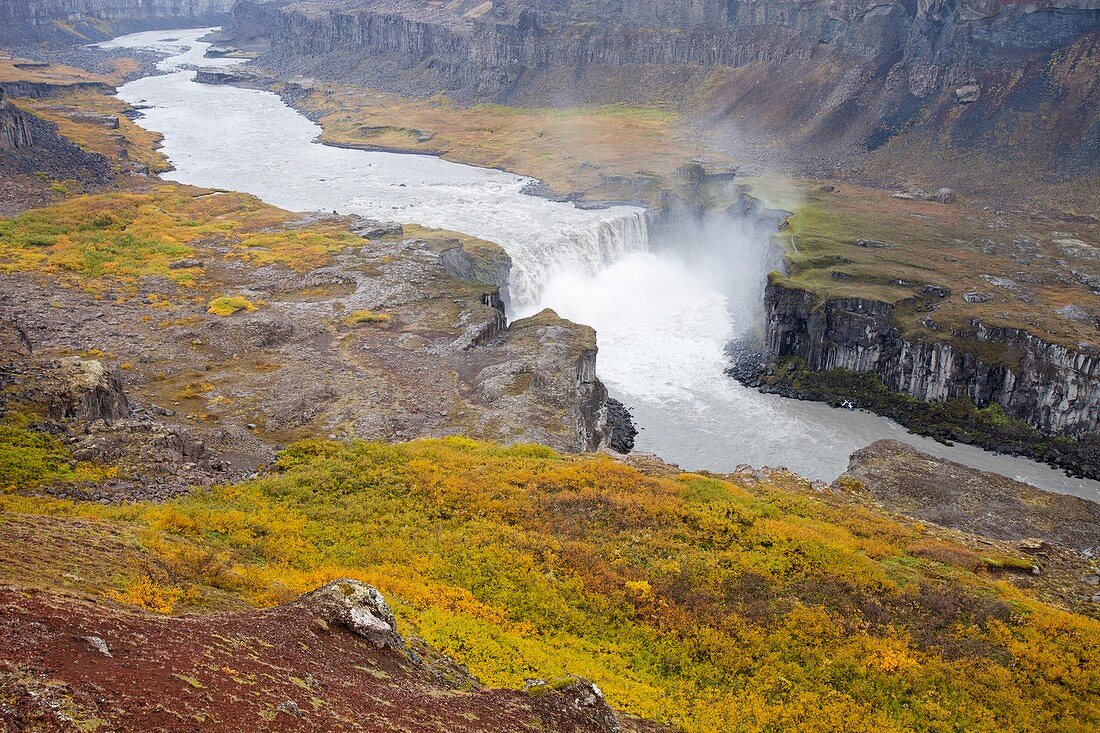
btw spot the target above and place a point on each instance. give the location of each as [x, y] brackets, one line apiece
[15, 129]
[1050, 387]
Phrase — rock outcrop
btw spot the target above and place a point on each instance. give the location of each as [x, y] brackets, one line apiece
[359, 608]
[87, 390]
[78, 21]
[555, 359]
[221, 76]
[1051, 387]
[15, 128]
[952, 495]
[29, 144]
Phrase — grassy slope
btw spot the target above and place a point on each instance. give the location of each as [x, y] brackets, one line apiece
[709, 604]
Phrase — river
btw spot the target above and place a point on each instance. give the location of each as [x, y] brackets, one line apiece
[663, 316]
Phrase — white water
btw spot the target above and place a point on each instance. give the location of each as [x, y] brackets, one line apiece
[663, 318]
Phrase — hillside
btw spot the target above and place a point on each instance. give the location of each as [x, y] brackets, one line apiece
[748, 602]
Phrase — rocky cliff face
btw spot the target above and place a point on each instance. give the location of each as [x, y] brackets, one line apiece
[15, 129]
[834, 79]
[1051, 387]
[31, 21]
[30, 145]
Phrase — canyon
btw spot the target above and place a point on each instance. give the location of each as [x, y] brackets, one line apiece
[839, 85]
[302, 435]
[904, 80]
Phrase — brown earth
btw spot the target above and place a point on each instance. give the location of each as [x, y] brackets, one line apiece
[75, 665]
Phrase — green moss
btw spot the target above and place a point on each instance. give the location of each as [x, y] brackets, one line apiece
[29, 458]
[1008, 563]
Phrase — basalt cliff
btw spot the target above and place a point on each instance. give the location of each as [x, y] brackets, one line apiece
[1052, 387]
[1002, 388]
[25, 22]
[831, 82]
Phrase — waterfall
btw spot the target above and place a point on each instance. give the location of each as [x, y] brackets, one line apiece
[583, 249]
[665, 301]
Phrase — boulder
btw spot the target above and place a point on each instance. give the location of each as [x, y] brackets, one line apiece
[692, 174]
[968, 94]
[371, 229]
[86, 390]
[944, 196]
[936, 291]
[184, 264]
[359, 608]
[582, 698]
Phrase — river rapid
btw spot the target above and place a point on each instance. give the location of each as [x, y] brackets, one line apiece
[663, 315]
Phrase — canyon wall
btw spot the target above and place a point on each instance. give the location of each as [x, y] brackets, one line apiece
[76, 21]
[831, 80]
[1052, 388]
[31, 145]
[939, 43]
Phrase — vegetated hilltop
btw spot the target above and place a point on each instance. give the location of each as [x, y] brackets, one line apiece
[870, 88]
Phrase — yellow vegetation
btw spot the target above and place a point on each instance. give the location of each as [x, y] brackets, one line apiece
[227, 305]
[124, 236]
[365, 316]
[147, 593]
[29, 458]
[689, 599]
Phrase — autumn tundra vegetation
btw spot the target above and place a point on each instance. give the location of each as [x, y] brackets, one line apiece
[709, 603]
